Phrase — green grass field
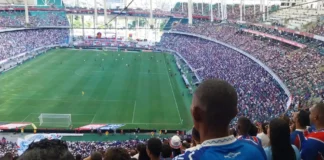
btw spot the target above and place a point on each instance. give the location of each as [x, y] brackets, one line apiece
[114, 94]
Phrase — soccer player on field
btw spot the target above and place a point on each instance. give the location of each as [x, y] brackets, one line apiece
[313, 147]
[83, 93]
[214, 105]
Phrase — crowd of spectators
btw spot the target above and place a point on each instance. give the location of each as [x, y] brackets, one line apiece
[318, 29]
[86, 148]
[15, 42]
[83, 148]
[260, 96]
[213, 108]
[36, 19]
[288, 35]
[7, 147]
[300, 69]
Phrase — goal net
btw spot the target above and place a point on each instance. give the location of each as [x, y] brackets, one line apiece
[55, 120]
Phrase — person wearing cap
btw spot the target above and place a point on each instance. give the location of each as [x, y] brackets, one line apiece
[175, 144]
[214, 105]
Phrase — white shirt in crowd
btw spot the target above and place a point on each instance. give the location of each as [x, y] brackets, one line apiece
[264, 139]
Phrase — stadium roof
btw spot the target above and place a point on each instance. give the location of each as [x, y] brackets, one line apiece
[16, 2]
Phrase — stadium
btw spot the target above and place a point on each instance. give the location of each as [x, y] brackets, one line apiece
[136, 78]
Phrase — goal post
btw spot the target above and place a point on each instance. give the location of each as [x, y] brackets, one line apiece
[55, 120]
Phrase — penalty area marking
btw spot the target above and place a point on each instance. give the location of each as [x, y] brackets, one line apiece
[94, 116]
[85, 50]
[26, 117]
[107, 71]
[134, 112]
[67, 113]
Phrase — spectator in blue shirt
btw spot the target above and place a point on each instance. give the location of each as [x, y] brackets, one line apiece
[301, 121]
[244, 125]
[280, 147]
[313, 147]
[213, 107]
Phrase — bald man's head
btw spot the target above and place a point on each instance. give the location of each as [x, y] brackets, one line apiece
[214, 103]
[317, 114]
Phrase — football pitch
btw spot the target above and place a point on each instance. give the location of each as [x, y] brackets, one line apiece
[97, 87]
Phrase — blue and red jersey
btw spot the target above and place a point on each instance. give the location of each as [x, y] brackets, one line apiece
[253, 139]
[297, 137]
[313, 146]
[226, 148]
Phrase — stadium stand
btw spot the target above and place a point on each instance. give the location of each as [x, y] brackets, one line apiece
[297, 18]
[16, 42]
[252, 12]
[318, 29]
[229, 65]
[299, 68]
[16, 18]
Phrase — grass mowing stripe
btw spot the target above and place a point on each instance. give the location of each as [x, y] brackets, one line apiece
[117, 94]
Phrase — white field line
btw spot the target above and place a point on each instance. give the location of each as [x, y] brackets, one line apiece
[62, 100]
[180, 119]
[134, 112]
[71, 114]
[92, 118]
[26, 117]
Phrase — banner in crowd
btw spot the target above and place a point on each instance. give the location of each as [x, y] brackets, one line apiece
[91, 126]
[23, 143]
[276, 38]
[101, 126]
[112, 126]
[14, 125]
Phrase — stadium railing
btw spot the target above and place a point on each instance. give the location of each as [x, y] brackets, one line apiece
[180, 56]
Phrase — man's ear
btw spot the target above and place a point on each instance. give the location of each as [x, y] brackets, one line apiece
[197, 113]
[148, 152]
[317, 117]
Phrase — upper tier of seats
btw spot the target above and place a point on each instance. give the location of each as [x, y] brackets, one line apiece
[36, 18]
[300, 69]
